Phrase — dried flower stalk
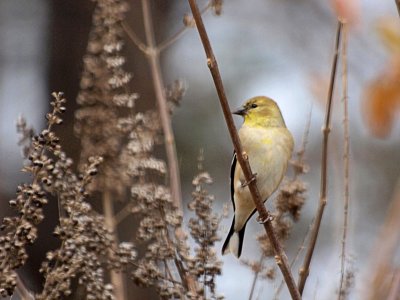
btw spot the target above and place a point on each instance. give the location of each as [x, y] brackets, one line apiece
[169, 140]
[205, 265]
[177, 257]
[104, 97]
[85, 239]
[20, 231]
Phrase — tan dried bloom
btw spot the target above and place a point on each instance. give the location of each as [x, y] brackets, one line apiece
[104, 97]
[21, 230]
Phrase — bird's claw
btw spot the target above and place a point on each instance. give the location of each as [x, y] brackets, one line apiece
[246, 183]
[264, 220]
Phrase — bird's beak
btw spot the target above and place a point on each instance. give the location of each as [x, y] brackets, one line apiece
[241, 111]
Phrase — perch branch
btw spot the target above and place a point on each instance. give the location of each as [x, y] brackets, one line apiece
[398, 6]
[280, 256]
[305, 269]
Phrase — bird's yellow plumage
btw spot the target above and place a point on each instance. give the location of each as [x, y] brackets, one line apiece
[269, 145]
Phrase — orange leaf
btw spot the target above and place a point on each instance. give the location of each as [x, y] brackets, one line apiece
[347, 10]
[382, 101]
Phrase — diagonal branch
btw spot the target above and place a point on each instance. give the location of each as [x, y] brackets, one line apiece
[305, 269]
[170, 41]
[398, 5]
[242, 158]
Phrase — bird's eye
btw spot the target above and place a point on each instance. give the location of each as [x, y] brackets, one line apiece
[253, 105]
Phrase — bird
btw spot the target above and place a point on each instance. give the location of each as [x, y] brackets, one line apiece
[269, 145]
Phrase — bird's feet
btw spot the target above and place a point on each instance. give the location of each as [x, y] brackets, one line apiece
[265, 219]
[246, 183]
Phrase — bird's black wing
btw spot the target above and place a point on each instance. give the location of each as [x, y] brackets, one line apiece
[232, 229]
[233, 168]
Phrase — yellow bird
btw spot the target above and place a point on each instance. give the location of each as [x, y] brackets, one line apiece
[269, 145]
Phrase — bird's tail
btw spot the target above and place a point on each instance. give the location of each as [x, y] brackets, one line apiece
[234, 241]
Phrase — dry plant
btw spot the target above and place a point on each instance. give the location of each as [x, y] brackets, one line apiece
[85, 240]
[118, 146]
[121, 165]
[127, 142]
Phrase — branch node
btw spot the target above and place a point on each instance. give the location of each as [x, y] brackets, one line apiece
[211, 62]
[245, 156]
[326, 130]
[304, 272]
[278, 260]
[169, 140]
[151, 51]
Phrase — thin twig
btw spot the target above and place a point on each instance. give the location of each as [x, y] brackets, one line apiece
[294, 260]
[398, 5]
[170, 41]
[168, 271]
[133, 37]
[300, 153]
[242, 157]
[186, 281]
[164, 44]
[297, 171]
[255, 278]
[305, 269]
[123, 213]
[345, 161]
[300, 161]
[153, 56]
[23, 291]
[117, 278]
[169, 140]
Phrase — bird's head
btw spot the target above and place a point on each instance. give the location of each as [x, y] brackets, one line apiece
[261, 111]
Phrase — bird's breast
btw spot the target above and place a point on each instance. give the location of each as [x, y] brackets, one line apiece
[269, 150]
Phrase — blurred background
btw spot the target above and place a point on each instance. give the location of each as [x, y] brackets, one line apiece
[281, 49]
